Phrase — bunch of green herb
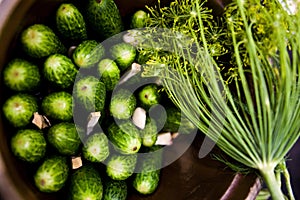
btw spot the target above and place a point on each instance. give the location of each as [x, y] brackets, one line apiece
[255, 118]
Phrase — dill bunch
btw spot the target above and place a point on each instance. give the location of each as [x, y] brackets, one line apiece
[255, 118]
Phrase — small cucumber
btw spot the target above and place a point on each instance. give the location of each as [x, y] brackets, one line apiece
[88, 53]
[21, 75]
[104, 17]
[90, 93]
[149, 133]
[86, 183]
[139, 19]
[40, 41]
[96, 148]
[52, 174]
[123, 54]
[149, 95]
[70, 22]
[60, 71]
[18, 109]
[58, 106]
[64, 138]
[115, 190]
[125, 137]
[29, 145]
[122, 104]
[109, 73]
[121, 167]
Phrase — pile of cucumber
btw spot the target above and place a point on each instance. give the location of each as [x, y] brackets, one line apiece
[72, 116]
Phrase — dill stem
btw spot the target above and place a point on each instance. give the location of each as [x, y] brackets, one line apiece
[270, 180]
[286, 176]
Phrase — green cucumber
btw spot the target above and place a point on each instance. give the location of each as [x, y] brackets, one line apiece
[109, 73]
[18, 109]
[176, 122]
[149, 133]
[90, 93]
[21, 75]
[122, 104]
[139, 19]
[70, 22]
[121, 167]
[88, 53]
[29, 145]
[85, 184]
[104, 17]
[125, 137]
[115, 190]
[123, 54]
[96, 148]
[60, 71]
[64, 138]
[40, 41]
[58, 106]
[147, 180]
[149, 95]
[52, 174]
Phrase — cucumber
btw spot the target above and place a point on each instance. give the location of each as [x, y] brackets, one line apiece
[115, 190]
[88, 53]
[125, 137]
[29, 145]
[90, 93]
[121, 167]
[147, 180]
[40, 41]
[64, 138]
[149, 95]
[52, 174]
[149, 133]
[21, 75]
[85, 183]
[59, 71]
[122, 104]
[104, 18]
[58, 106]
[19, 108]
[123, 54]
[139, 19]
[96, 148]
[70, 22]
[109, 73]
[176, 122]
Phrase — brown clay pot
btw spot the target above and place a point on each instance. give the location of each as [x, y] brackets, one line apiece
[187, 178]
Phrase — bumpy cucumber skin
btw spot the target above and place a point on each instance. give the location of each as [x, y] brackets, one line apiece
[64, 138]
[115, 190]
[125, 137]
[86, 183]
[139, 19]
[18, 109]
[21, 75]
[147, 180]
[121, 167]
[123, 54]
[90, 93]
[122, 104]
[96, 148]
[88, 53]
[109, 73]
[149, 133]
[40, 41]
[104, 17]
[60, 71]
[58, 106]
[70, 22]
[29, 145]
[52, 174]
[149, 96]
